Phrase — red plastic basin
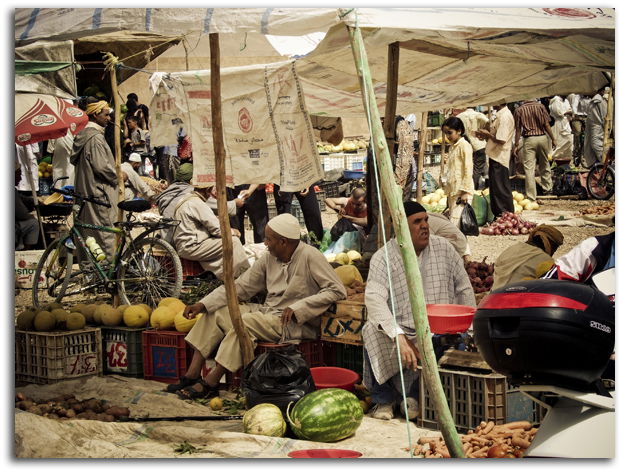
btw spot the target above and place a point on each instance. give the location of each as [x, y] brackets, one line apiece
[324, 453]
[333, 377]
[449, 318]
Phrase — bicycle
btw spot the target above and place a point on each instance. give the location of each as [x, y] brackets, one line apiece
[600, 178]
[144, 269]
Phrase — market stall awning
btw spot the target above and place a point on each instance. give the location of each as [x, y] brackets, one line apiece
[41, 117]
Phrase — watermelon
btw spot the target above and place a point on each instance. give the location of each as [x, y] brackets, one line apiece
[264, 419]
[326, 415]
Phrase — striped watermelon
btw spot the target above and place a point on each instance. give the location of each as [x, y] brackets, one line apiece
[326, 415]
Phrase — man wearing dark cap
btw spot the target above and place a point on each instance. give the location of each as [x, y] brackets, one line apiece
[444, 281]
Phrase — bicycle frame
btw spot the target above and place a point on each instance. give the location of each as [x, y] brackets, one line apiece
[75, 232]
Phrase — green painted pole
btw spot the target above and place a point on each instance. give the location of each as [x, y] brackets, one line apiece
[393, 194]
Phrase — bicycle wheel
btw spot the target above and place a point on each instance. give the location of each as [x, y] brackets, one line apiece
[150, 270]
[600, 182]
[52, 275]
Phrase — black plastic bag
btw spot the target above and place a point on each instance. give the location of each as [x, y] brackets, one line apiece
[277, 377]
[468, 222]
[342, 226]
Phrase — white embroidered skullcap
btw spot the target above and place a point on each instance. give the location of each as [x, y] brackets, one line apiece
[286, 225]
[135, 158]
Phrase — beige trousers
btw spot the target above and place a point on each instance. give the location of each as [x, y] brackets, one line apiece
[535, 151]
[216, 332]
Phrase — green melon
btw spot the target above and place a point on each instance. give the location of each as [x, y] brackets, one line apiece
[326, 415]
[26, 319]
[264, 419]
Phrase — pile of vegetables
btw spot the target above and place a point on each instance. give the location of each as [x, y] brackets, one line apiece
[521, 203]
[346, 146]
[508, 224]
[486, 441]
[437, 199]
[480, 275]
[67, 406]
[605, 209]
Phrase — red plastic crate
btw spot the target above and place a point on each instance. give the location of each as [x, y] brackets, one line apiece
[312, 350]
[166, 355]
[190, 268]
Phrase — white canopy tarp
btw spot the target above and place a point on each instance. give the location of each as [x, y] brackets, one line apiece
[449, 57]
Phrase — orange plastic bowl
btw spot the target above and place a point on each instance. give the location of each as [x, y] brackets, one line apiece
[334, 377]
[324, 453]
[449, 318]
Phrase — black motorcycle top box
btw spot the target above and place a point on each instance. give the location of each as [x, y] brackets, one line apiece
[546, 332]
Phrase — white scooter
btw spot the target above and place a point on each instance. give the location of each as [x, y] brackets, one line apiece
[577, 424]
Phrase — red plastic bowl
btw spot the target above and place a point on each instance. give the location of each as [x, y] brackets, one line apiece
[449, 318]
[324, 453]
[334, 377]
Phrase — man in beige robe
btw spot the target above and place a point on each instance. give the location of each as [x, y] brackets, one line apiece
[198, 235]
[95, 175]
[300, 287]
[134, 185]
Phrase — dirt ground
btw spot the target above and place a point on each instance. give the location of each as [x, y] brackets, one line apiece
[481, 246]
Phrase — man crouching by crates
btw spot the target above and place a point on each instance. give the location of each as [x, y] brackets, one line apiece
[445, 281]
[300, 286]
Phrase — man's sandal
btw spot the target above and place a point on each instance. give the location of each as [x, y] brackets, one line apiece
[183, 383]
[206, 391]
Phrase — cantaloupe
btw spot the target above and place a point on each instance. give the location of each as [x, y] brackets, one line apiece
[99, 312]
[112, 317]
[25, 320]
[135, 316]
[88, 311]
[60, 315]
[162, 318]
[44, 321]
[348, 274]
[75, 321]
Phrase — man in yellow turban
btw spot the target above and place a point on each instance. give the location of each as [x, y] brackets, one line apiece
[96, 175]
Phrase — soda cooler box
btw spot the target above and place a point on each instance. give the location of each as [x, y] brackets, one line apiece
[546, 332]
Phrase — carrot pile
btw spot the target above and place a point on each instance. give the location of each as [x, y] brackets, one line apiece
[488, 440]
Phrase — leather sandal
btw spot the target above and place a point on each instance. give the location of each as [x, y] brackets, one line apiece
[184, 382]
[206, 391]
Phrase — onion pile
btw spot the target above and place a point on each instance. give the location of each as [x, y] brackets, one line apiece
[508, 224]
[480, 275]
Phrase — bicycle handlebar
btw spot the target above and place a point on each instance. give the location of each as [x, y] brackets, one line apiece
[72, 193]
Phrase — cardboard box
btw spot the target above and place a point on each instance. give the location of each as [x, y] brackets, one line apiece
[25, 266]
[345, 325]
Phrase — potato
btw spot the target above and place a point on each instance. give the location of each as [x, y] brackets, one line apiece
[25, 405]
[34, 410]
[117, 411]
[70, 413]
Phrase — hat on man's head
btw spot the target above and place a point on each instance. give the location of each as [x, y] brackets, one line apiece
[286, 225]
[413, 208]
[135, 158]
[203, 185]
[184, 173]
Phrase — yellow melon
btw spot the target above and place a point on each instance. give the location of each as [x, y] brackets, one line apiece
[147, 308]
[75, 321]
[172, 302]
[182, 324]
[348, 274]
[44, 321]
[162, 318]
[136, 316]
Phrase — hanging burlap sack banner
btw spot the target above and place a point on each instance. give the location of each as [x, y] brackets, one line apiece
[268, 132]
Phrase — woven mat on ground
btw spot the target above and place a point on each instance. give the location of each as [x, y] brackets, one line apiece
[566, 218]
[40, 437]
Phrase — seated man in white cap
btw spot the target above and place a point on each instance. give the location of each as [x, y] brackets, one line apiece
[301, 285]
[134, 185]
[198, 235]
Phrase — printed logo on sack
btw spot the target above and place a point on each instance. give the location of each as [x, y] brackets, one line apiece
[24, 137]
[245, 122]
[602, 327]
[570, 12]
[43, 120]
[516, 289]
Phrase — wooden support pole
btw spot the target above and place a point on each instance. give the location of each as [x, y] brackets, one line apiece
[389, 128]
[393, 194]
[420, 157]
[608, 121]
[117, 131]
[246, 345]
[444, 147]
